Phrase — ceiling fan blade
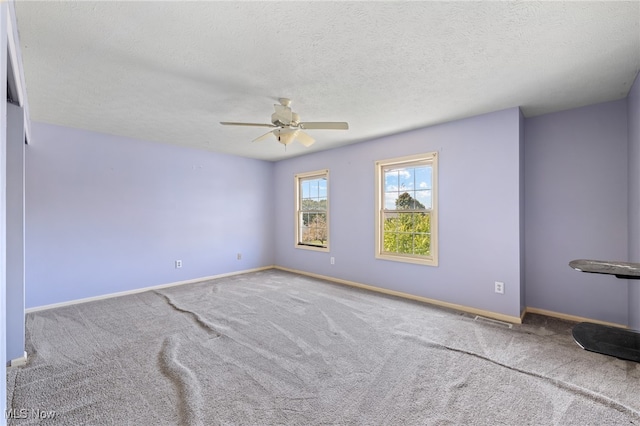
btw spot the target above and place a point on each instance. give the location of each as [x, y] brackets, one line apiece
[305, 139]
[231, 123]
[265, 136]
[328, 125]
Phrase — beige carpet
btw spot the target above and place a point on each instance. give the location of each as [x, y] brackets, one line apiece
[273, 347]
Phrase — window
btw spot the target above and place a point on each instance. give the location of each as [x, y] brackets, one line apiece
[406, 209]
[312, 210]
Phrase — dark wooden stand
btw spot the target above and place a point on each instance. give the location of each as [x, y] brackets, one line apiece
[613, 341]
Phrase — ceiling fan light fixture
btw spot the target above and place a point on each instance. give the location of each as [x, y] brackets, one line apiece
[286, 136]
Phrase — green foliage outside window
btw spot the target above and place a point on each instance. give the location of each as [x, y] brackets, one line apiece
[406, 231]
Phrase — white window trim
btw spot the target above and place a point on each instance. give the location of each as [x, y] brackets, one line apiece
[318, 173]
[432, 159]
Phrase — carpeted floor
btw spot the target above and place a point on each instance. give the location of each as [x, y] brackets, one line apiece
[273, 347]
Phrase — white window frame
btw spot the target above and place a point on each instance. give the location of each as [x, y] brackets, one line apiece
[298, 216]
[426, 159]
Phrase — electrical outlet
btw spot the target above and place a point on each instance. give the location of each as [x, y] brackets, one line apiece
[499, 287]
[178, 264]
[332, 260]
[239, 256]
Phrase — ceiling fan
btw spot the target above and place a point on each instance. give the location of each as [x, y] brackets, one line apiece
[288, 126]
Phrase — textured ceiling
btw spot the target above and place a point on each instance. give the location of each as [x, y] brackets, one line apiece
[170, 71]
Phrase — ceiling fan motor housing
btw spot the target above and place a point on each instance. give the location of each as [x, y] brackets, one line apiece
[285, 118]
[276, 119]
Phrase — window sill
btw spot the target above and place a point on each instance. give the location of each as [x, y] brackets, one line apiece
[312, 248]
[427, 261]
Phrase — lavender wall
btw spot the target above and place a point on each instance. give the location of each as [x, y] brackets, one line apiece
[479, 215]
[576, 207]
[633, 106]
[107, 214]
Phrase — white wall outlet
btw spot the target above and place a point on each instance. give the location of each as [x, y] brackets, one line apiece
[239, 256]
[499, 287]
[178, 264]
[332, 260]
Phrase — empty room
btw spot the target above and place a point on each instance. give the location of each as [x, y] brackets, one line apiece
[320, 213]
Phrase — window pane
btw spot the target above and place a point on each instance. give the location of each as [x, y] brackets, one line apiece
[390, 180]
[407, 201]
[423, 177]
[405, 222]
[315, 232]
[390, 242]
[322, 188]
[302, 223]
[390, 222]
[405, 243]
[390, 200]
[407, 188]
[314, 188]
[407, 233]
[424, 198]
[422, 223]
[314, 194]
[307, 204]
[406, 179]
[313, 205]
[422, 244]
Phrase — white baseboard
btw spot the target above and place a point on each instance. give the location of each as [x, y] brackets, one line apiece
[462, 308]
[19, 361]
[141, 290]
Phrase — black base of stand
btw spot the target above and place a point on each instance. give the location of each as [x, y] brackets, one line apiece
[613, 341]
